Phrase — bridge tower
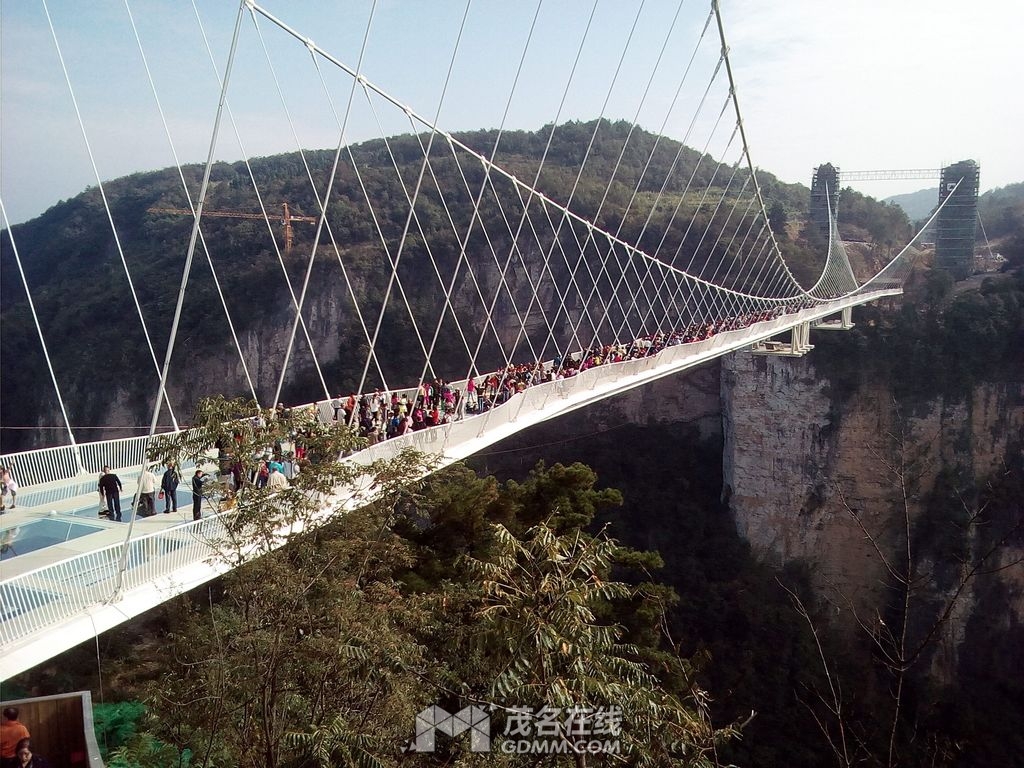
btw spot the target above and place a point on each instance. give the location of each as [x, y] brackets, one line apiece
[956, 222]
[824, 193]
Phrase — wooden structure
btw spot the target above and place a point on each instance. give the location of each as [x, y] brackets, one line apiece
[61, 728]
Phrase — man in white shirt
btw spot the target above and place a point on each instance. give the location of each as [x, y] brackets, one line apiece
[147, 488]
[277, 481]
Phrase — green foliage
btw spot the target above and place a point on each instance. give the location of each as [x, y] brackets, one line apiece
[116, 723]
[1013, 250]
[564, 496]
[144, 751]
[543, 597]
[451, 518]
[321, 651]
[316, 638]
[778, 219]
[938, 285]
[124, 742]
[1002, 211]
[937, 343]
[884, 224]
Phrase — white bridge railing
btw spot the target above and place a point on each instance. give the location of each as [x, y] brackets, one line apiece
[66, 462]
[47, 596]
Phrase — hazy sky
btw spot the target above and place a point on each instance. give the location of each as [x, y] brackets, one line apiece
[871, 84]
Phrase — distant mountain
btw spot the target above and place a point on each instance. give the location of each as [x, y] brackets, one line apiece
[917, 205]
[1002, 211]
[74, 267]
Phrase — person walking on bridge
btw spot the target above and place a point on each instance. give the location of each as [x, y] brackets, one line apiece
[277, 481]
[197, 494]
[169, 485]
[9, 486]
[110, 486]
[147, 490]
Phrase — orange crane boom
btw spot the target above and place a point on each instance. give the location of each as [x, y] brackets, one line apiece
[287, 217]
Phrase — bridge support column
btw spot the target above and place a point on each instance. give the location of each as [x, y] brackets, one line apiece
[799, 343]
[843, 323]
[800, 339]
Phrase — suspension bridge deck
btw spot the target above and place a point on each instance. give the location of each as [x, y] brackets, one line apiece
[65, 593]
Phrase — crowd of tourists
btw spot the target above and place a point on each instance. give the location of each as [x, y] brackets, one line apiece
[382, 415]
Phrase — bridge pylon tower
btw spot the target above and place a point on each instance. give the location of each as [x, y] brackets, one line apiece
[955, 226]
[824, 195]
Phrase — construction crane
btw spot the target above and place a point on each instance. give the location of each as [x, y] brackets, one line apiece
[287, 217]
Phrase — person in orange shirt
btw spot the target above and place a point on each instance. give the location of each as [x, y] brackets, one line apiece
[11, 732]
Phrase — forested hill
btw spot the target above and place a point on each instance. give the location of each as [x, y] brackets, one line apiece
[1001, 212]
[74, 267]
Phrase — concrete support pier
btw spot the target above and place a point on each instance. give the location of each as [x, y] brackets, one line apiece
[798, 346]
[844, 323]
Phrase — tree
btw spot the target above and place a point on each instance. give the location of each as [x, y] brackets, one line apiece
[544, 596]
[309, 626]
[237, 437]
[322, 652]
[930, 562]
[779, 220]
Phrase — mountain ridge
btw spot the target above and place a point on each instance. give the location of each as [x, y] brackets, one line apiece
[74, 268]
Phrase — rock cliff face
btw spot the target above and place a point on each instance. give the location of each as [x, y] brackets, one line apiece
[808, 478]
[690, 398]
[205, 367]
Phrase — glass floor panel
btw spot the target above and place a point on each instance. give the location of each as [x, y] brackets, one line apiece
[37, 534]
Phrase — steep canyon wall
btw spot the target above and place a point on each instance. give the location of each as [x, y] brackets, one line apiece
[838, 483]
